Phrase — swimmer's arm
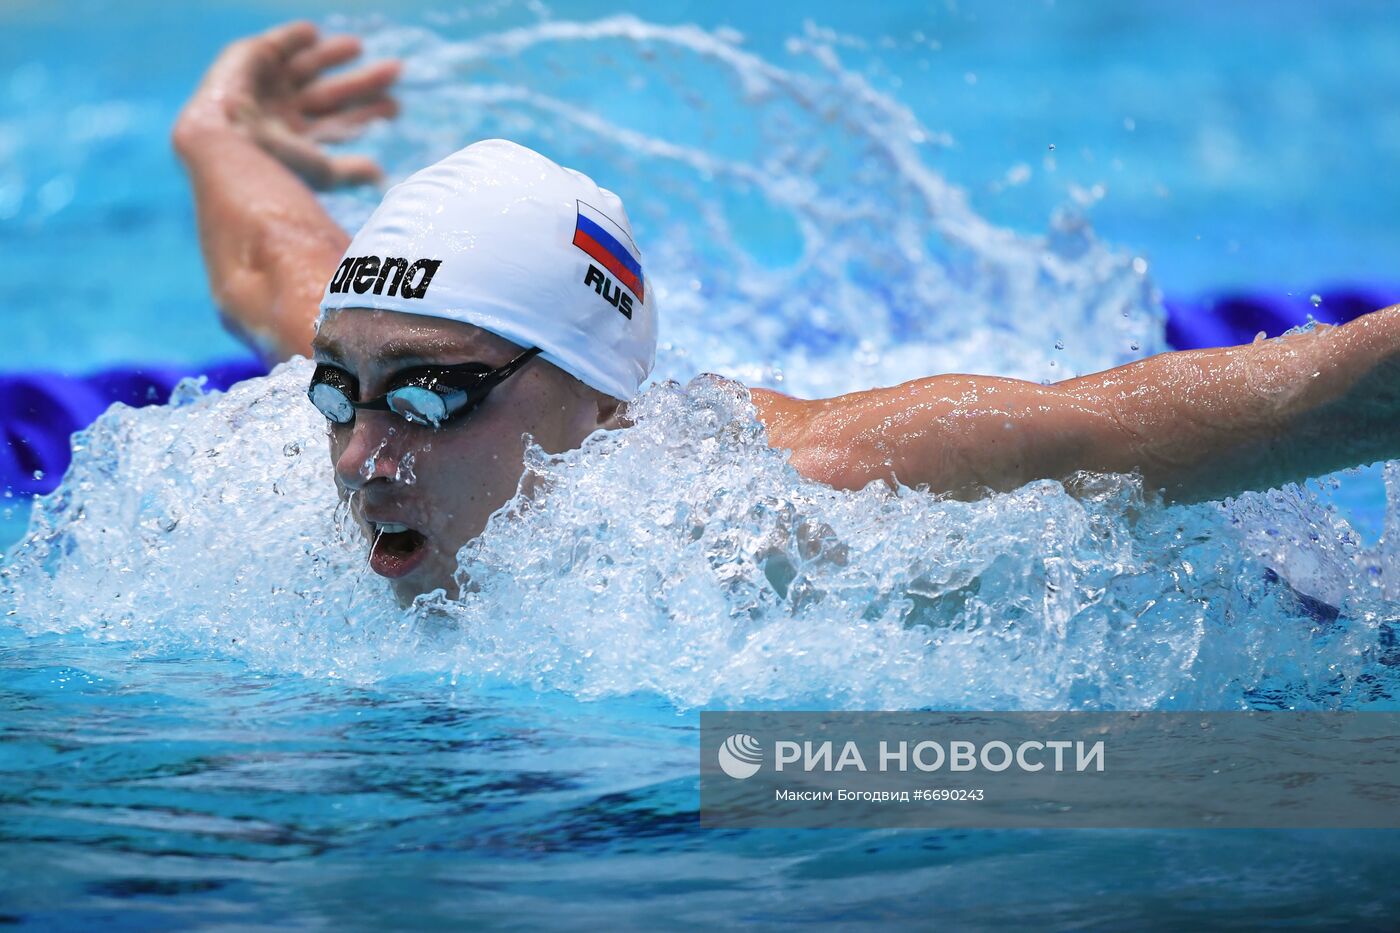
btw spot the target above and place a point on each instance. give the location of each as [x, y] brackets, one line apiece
[1205, 424]
[956, 434]
[269, 247]
[1198, 425]
[249, 141]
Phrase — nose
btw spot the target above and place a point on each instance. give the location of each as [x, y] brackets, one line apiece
[371, 452]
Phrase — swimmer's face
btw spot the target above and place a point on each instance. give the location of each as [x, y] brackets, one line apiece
[440, 485]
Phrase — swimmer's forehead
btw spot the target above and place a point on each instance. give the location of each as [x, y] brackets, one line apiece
[361, 334]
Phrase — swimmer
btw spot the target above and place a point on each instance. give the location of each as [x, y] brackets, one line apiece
[496, 295]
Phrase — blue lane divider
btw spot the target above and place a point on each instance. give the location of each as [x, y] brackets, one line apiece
[1231, 318]
[40, 410]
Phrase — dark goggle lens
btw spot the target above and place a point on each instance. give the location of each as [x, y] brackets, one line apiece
[332, 402]
[418, 405]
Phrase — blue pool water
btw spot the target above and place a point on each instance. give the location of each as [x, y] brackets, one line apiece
[211, 713]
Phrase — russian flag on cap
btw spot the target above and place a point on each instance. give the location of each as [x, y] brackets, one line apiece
[609, 246]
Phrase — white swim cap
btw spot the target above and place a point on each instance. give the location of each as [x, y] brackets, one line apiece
[498, 236]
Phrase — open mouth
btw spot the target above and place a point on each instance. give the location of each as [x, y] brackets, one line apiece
[396, 550]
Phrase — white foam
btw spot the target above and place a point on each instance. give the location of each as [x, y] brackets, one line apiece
[684, 556]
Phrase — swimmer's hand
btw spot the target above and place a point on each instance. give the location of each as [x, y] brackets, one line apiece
[273, 90]
[250, 140]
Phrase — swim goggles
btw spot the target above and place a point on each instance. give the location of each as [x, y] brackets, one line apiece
[427, 395]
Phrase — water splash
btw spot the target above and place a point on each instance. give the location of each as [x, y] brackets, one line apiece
[684, 556]
[212, 524]
[815, 248]
[812, 246]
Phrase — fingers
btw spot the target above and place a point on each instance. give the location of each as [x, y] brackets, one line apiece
[289, 38]
[328, 95]
[300, 155]
[323, 55]
[348, 123]
[320, 170]
[355, 170]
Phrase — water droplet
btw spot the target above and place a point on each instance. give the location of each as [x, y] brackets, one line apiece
[404, 471]
[1059, 344]
[1139, 265]
[1316, 300]
[1052, 147]
[38, 474]
[291, 449]
[367, 468]
[1133, 345]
